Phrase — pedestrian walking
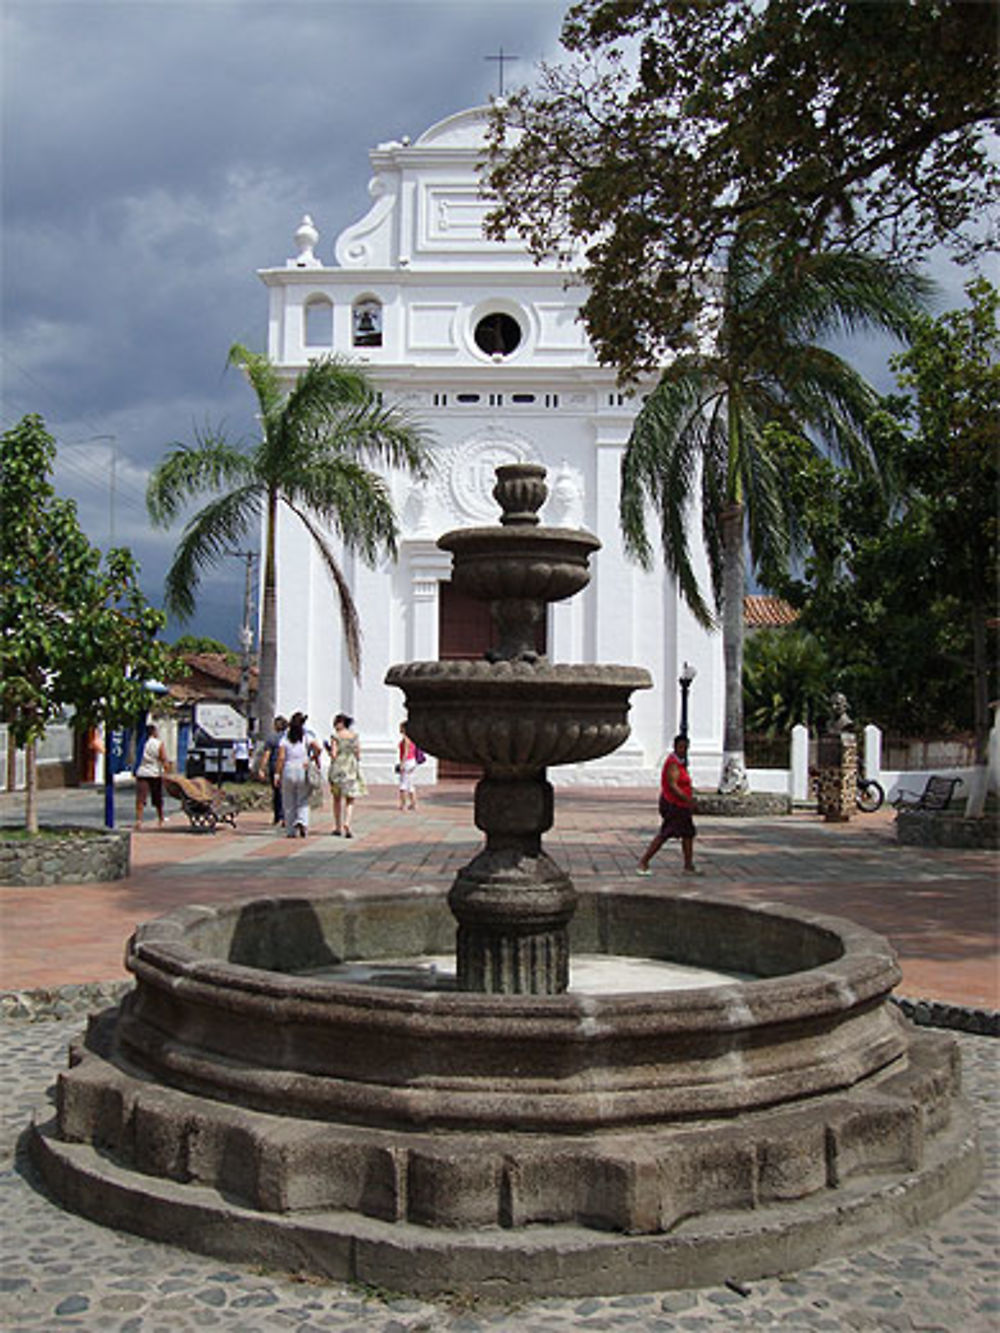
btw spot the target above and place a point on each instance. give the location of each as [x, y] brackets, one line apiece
[153, 763]
[346, 782]
[297, 749]
[676, 805]
[241, 758]
[406, 768]
[268, 764]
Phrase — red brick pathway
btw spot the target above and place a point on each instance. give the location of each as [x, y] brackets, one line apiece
[938, 908]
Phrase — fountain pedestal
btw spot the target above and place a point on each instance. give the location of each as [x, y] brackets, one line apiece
[512, 902]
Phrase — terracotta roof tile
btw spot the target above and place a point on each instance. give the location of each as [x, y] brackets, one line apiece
[764, 612]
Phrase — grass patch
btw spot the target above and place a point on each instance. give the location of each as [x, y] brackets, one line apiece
[50, 834]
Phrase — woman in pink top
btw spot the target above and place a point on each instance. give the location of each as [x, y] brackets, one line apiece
[406, 768]
[676, 804]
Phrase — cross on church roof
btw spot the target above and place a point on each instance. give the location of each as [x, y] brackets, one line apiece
[500, 62]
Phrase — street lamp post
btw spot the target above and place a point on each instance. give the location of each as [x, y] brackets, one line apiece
[687, 675]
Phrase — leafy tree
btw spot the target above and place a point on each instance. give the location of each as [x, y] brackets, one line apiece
[202, 643]
[72, 634]
[902, 593]
[786, 681]
[313, 457]
[674, 124]
[705, 424]
[951, 452]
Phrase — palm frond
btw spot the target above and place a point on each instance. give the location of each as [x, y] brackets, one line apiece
[349, 619]
[263, 379]
[822, 390]
[842, 292]
[387, 435]
[210, 534]
[352, 501]
[660, 468]
[189, 471]
[334, 406]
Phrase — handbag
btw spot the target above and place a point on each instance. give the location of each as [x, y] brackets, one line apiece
[314, 778]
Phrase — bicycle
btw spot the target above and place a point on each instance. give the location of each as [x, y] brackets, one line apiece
[870, 795]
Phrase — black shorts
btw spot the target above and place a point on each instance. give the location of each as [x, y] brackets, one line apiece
[676, 821]
[153, 788]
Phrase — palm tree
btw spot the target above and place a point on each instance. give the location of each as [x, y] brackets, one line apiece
[704, 426]
[786, 680]
[313, 457]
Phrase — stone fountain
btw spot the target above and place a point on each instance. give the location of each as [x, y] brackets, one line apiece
[293, 1082]
[515, 714]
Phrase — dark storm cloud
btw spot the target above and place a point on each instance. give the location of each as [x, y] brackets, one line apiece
[155, 154]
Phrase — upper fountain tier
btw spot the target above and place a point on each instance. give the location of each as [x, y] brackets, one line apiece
[519, 567]
[516, 713]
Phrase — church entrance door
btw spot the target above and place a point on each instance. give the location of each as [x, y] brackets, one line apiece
[466, 633]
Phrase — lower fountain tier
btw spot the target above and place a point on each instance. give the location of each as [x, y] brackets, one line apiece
[517, 717]
[644, 1181]
[509, 1145]
[222, 1008]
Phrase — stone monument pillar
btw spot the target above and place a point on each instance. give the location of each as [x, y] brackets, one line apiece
[838, 765]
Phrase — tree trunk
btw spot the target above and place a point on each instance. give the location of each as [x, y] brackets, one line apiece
[734, 773]
[30, 788]
[980, 685]
[267, 678]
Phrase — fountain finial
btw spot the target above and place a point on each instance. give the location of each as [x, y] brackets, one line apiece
[520, 491]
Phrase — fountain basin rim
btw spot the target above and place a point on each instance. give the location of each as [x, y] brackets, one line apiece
[865, 968]
[545, 539]
[541, 673]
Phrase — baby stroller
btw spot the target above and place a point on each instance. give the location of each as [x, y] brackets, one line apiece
[202, 801]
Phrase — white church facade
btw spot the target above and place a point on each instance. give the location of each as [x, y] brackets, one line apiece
[485, 349]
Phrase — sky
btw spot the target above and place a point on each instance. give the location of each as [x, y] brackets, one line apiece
[155, 155]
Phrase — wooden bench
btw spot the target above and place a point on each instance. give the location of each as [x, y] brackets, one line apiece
[936, 795]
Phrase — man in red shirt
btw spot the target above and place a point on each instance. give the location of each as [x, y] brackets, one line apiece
[676, 804]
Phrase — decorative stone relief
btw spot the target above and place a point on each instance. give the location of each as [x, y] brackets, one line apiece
[416, 511]
[471, 471]
[565, 506]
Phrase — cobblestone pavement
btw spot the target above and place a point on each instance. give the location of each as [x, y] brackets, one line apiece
[58, 1271]
[62, 1272]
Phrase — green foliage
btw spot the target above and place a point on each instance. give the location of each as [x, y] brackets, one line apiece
[321, 448]
[711, 411]
[901, 591]
[710, 421]
[786, 681]
[186, 644]
[73, 633]
[202, 643]
[832, 121]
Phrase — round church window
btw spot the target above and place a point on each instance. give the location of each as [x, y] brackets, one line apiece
[498, 334]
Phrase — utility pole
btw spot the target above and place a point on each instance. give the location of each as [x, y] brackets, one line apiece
[246, 629]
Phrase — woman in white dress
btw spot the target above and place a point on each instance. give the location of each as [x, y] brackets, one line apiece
[296, 749]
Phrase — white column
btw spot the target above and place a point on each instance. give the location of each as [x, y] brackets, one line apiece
[428, 566]
[873, 752]
[798, 777]
[613, 579]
